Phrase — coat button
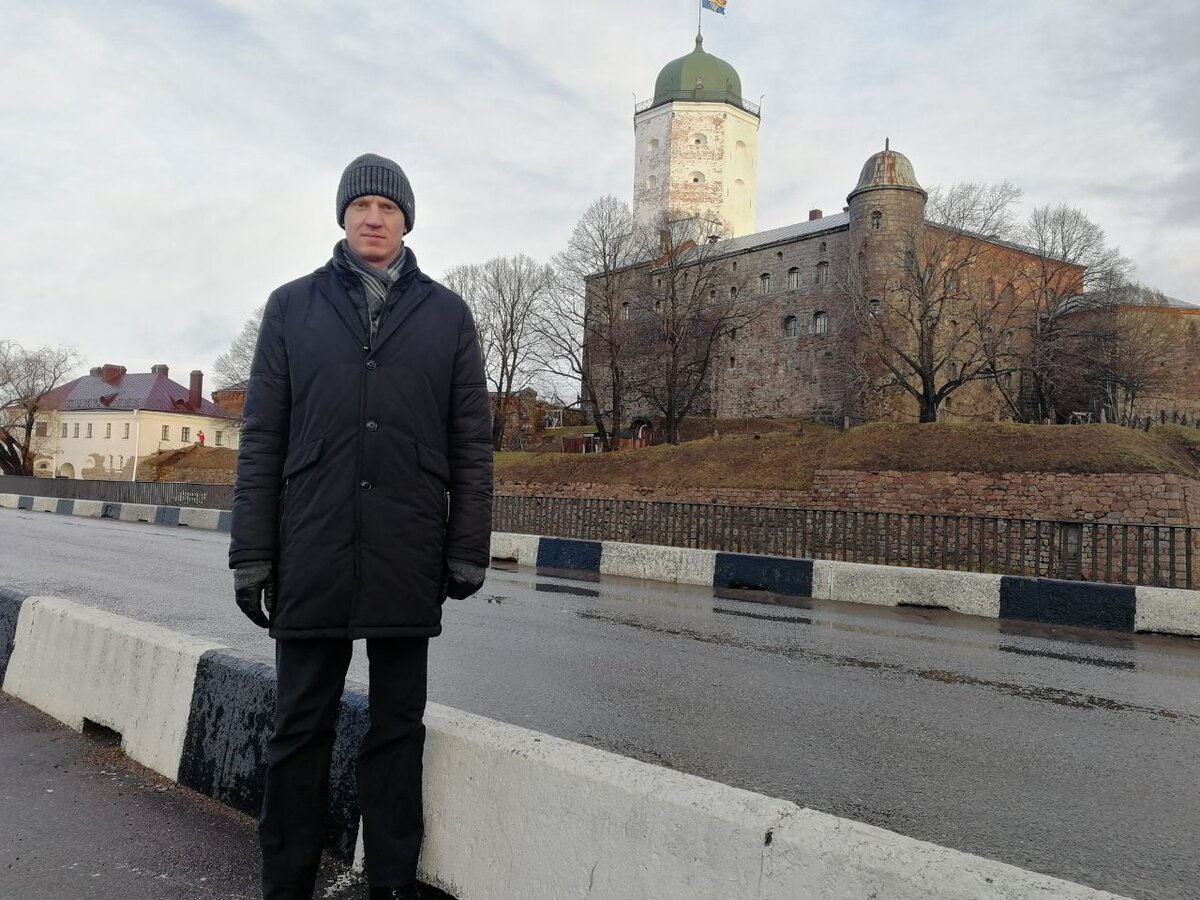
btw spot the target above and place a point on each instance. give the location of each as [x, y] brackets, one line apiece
[372, 425]
[365, 485]
[371, 364]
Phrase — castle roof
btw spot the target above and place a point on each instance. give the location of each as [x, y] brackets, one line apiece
[887, 169]
[698, 77]
[112, 388]
[785, 234]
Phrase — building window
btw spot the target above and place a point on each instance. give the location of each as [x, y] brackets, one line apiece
[126, 431]
[696, 178]
[122, 459]
[873, 307]
[764, 283]
[779, 255]
[185, 434]
[733, 334]
[89, 429]
[820, 323]
[166, 432]
[699, 140]
[110, 463]
[789, 326]
[108, 430]
[877, 220]
[793, 279]
[218, 439]
[821, 249]
[64, 429]
[625, 311]
[733, 362]
[39, 430]
[733, 293]
[75, 430]
[822, 275]
[658, 306]
[651, 183]
[652, 146]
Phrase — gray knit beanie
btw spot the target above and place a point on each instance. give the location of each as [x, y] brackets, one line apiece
[375, 175]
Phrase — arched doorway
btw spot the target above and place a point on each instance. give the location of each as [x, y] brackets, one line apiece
[66, 470]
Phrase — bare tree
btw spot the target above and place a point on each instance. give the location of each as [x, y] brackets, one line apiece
[504, 294]
[945, 313]
[26, 377]
[581, 326]
[1075, 270]
[232, 368]
[684, 303]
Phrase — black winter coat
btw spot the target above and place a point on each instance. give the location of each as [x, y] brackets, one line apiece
[348, 452]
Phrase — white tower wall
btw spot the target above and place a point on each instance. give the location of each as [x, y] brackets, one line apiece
[697, 159]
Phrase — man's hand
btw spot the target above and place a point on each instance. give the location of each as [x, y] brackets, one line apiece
[462, 579]
[254, 591]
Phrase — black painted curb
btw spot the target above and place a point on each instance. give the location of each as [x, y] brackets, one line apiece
[569, 555]
[780, 575]
[1081, 604]
[224, 749]
[10, 609]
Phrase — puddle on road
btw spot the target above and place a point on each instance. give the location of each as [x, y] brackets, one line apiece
[1057, 696]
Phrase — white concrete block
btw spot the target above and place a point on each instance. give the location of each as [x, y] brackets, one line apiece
[1168, 610]
[91, 509]
[199, 518]
[521, 547]
[138, 512]
[972, 593]
[511, 813]
[9, 501]
[816, 856]
[678, 564]
[45, 504]
[75, 663]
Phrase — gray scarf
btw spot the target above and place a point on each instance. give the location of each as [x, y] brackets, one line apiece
[376, 282]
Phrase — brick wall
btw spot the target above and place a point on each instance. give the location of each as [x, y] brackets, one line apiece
[1133, 499]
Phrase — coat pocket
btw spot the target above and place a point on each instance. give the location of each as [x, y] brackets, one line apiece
[433, 462]
[301, 457]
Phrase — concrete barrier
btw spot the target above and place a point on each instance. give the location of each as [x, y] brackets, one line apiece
[45, 504]
[1168, 610]
[972, 593]
[677, 564]
[511, 813]
[10, 501]
[77, 663]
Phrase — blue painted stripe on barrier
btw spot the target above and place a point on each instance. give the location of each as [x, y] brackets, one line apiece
[166, 515]
[10, 609]
[569, 554]
[224, 751]
[792, 577]
[65, 507]
[111, 511]
[24, 502]
[1083, 604]
[225, 521]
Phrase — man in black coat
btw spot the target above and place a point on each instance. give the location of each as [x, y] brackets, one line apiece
[363, 499]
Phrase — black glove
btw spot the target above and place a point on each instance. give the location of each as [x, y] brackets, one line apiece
[254, 591]
[462, 579]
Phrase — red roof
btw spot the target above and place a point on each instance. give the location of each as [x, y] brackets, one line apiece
[150, 391]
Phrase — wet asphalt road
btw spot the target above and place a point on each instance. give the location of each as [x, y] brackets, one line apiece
[1067, 752]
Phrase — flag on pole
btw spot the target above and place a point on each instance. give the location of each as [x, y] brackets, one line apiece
[717, 6]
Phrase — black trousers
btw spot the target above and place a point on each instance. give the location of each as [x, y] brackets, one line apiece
[311, 675]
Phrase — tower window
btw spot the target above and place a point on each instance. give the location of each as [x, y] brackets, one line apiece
[733, 362]
[793, 279]
[699, 140]
[651, 182]
[625, 310]
[820, 323]
[873, 307]
[658, 306]
[652, 145]
[696, 178]
[789, 327]
[876, 220]
[733, 293]
[764, 283]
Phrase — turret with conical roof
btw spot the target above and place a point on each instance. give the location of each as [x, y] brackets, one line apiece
[697, 145]
[887, 215]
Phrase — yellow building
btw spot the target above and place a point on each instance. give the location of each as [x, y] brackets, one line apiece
[99, 426]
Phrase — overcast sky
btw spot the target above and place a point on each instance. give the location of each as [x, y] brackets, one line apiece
[165, 164]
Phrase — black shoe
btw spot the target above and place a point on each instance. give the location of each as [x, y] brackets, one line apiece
[401, 893]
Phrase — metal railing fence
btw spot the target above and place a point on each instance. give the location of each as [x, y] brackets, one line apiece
[1121, 553]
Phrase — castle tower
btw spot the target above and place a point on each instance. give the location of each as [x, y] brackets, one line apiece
[887, 213]
[696, 145]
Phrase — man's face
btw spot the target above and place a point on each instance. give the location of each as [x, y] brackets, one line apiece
[375, 229]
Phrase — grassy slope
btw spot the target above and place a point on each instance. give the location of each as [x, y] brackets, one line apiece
[789, 458]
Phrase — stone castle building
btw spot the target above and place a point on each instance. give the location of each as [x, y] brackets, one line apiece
[696, 144]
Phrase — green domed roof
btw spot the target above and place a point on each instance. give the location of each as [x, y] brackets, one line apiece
[699, 76]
